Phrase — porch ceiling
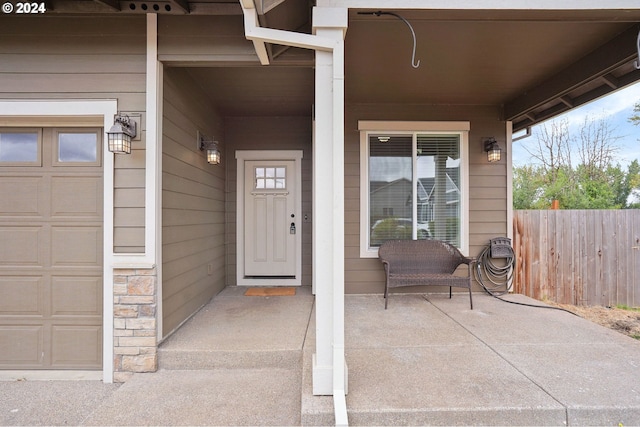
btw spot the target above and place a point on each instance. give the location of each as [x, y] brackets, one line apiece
[534, 64]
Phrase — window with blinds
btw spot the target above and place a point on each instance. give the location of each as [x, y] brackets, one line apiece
[414, 189]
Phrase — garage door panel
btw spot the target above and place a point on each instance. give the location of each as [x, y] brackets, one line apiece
[76, 246]
[21, 246]
[65, 201]
[26, 346]
[51, 237]
[17, 196]
[21, 296]
[76, 296]
[76, 346]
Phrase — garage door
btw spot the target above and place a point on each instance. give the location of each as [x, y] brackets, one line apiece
[51, 192]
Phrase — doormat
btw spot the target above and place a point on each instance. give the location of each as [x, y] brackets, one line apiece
[270, 292]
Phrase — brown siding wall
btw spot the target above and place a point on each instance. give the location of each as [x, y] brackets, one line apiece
[82, 57]
[193, 202]
[203, 38]
[268, 133]
[487, 181]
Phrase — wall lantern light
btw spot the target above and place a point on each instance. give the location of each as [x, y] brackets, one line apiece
[213, 153]
[120, 135]
[492, 149]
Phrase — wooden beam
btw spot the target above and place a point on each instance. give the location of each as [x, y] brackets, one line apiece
[181, 4]
[611, 80]
[598, 63]
[566, 100]
[113, 4]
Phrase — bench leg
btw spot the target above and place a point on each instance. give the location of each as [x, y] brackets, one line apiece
[450, 293]
[470, 299]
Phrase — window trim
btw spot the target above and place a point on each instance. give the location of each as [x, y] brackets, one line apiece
[367, 127]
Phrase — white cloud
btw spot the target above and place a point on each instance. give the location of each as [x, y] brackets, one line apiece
[621, 101]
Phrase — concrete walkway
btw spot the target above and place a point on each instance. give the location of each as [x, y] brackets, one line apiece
[427, 360]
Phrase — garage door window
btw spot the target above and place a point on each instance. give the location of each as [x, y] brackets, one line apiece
[20, 148]
[79, 148]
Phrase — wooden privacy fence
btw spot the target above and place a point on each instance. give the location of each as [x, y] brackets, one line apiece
[580, 257]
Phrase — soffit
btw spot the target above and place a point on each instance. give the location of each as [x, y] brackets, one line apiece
[533, 63]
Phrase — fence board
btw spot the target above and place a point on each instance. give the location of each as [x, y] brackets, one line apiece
[583, 257]
[635, 249]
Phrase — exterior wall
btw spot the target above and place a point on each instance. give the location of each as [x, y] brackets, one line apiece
[76, 57]
[268, 133]
[184, 39]
[193, 202]
[487, 181]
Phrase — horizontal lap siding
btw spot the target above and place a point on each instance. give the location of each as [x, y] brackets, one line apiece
[487, 181]
[183, 39]
[64, 57]
[193, 202]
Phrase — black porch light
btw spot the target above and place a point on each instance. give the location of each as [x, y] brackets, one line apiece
[492, 149]
[213, 153]
[120, 135]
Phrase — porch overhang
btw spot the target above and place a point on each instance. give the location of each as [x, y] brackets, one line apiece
[606, 69]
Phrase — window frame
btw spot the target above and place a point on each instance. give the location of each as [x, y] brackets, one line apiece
[55, 160]
[366, 128]
[29, 130]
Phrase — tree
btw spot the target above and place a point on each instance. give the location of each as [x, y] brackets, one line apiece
[553, 147]
[526, 187]
[595, 182]
[635, 119]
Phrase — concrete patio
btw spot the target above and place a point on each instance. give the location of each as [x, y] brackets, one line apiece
[427, 360]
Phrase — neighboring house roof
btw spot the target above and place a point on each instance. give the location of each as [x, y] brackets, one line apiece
[377, 186]
[452, 189]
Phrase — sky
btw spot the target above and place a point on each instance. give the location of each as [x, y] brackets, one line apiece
[616, 108]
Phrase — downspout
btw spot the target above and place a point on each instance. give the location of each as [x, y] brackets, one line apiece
[260, 36]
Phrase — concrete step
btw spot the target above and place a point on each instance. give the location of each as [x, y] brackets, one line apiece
[175, 359]
[238, 331]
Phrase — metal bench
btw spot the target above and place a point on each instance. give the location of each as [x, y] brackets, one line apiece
[423, 262]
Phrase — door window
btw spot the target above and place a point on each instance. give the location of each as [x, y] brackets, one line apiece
[270, 178]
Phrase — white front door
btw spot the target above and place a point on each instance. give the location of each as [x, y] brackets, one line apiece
[269, 223]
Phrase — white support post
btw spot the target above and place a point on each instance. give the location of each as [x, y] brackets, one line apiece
[329, 370]
[153, 170]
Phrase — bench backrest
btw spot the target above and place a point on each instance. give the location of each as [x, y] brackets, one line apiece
[421, 256]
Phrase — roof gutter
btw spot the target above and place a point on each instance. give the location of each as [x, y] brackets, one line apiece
[260, 36]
